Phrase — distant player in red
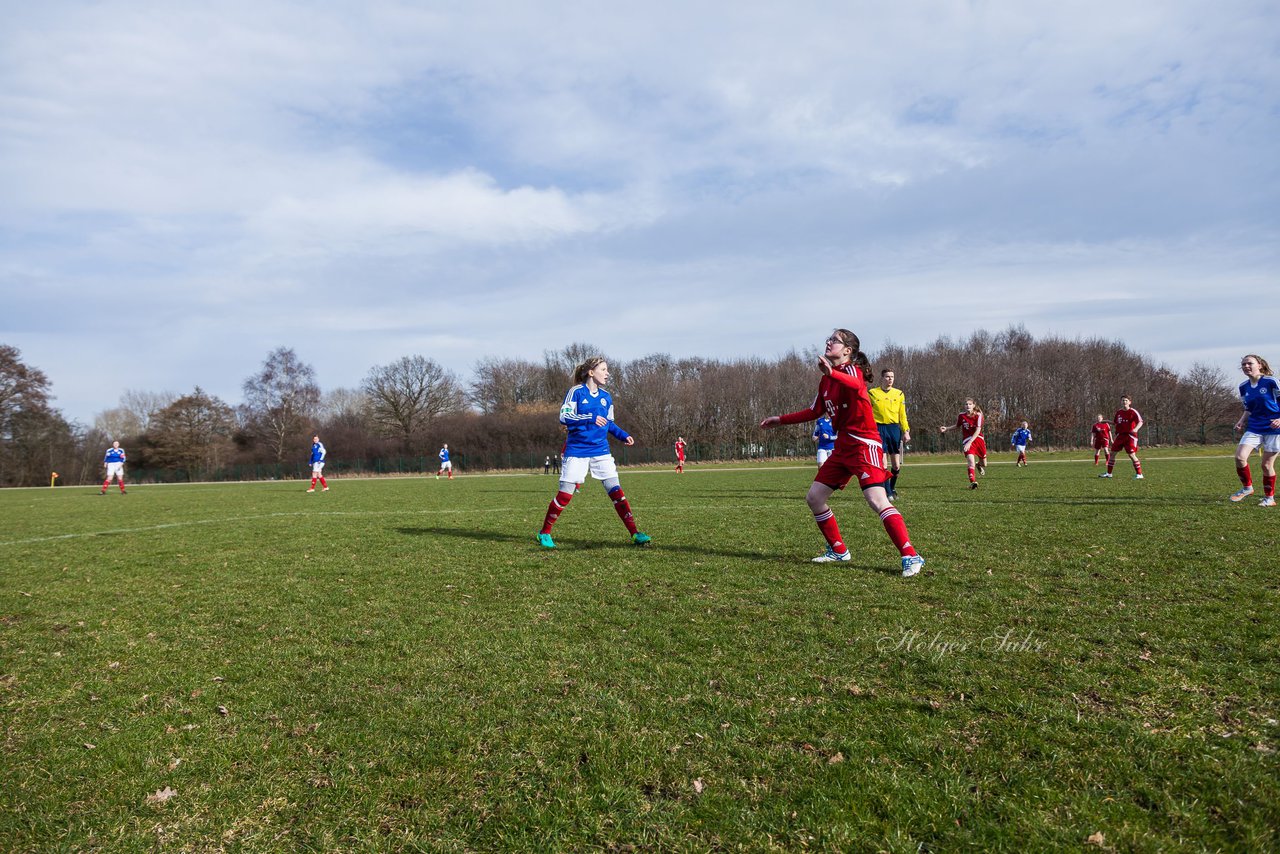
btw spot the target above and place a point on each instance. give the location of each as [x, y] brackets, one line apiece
[972, 444]
[1101, 437]
[680, 455]
[842, 397]
[1128, 421]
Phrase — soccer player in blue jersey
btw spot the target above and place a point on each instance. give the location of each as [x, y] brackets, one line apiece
[445, 465]
[1020, 439]
[1260, 395]
[114, 461]
[317, 465]
[825, 435]
[587, 413]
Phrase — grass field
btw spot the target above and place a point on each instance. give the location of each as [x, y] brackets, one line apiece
[396, 665]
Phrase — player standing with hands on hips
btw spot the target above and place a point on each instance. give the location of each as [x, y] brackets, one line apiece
[842, 397]
[587, 413]
[317, 465]
[114, 461]
[1128, 421]
[1260, 395]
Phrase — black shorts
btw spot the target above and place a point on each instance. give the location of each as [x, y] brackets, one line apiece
[890, 438]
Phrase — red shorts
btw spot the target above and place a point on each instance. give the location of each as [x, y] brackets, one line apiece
[1099, 443]
[978, 448]
[1128, 444]
[856, 461]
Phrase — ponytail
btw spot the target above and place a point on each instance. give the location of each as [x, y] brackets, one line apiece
[858, 358]
[584, 370]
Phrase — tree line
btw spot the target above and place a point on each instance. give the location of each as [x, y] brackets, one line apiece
[505, 415]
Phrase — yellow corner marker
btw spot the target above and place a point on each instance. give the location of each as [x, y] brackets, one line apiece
[52, 479]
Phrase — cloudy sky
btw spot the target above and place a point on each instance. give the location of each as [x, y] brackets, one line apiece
[185, 187]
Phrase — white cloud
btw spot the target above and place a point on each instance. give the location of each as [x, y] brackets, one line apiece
[349, 171]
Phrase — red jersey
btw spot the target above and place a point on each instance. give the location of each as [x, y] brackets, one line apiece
[679, 450]
[970, 428]
[1102, 432]
[1127, 422]
[842, 397]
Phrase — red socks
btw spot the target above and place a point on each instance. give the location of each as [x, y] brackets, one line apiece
[1269, 485]
[554, 509]
[972, 479]
[1137, 467]
[896, 527]
[830, 530]
[1246, 477]
[623, 509]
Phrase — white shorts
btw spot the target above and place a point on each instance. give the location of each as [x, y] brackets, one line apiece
[822, 455]
[1022, 449]
[115, 470]
[316, 468]
[447, 465]
[1270, 443]
[575, 469]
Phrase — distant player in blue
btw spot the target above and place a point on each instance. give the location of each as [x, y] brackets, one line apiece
[317, 465]
[1020, 439]
[445, 465]
[825, 435]
[587, 413]
[1261, 424]
[114, 461]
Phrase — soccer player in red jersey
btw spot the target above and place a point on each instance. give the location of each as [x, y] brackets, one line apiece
[1101, 437]
[842, 397]
[972, 444]
[680, 455]
[1128, 421]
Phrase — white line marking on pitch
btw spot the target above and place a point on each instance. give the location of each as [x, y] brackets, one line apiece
[190, 522]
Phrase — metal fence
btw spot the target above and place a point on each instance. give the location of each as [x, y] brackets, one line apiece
[769, 446]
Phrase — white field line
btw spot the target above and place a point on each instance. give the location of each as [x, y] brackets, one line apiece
[226, 519]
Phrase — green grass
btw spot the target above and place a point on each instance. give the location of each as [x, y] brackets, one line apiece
[396, 665]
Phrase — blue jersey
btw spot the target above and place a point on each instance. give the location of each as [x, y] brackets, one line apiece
[578, 413]
[317, 453]
[1262, 402]
[114, 455]
[1021, 436]
[444, 455]
[825, 434]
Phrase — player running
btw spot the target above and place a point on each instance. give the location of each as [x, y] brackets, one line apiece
[587, 413]
[1019, 440]
[972, 443]
[445, 465]
[825, 435]
[1128, 422]
[1101, 433]
[1260, 396]
[114, 461]
[317, 465]
[842, 397]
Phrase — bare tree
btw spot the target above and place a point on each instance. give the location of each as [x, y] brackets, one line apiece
[509, 385]
[1207, 397]
[407, 395]
[193, 433]
[118, 423]
[280, 400]
[142, 405]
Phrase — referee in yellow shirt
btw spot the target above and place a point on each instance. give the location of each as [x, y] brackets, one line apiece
[889, 406]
